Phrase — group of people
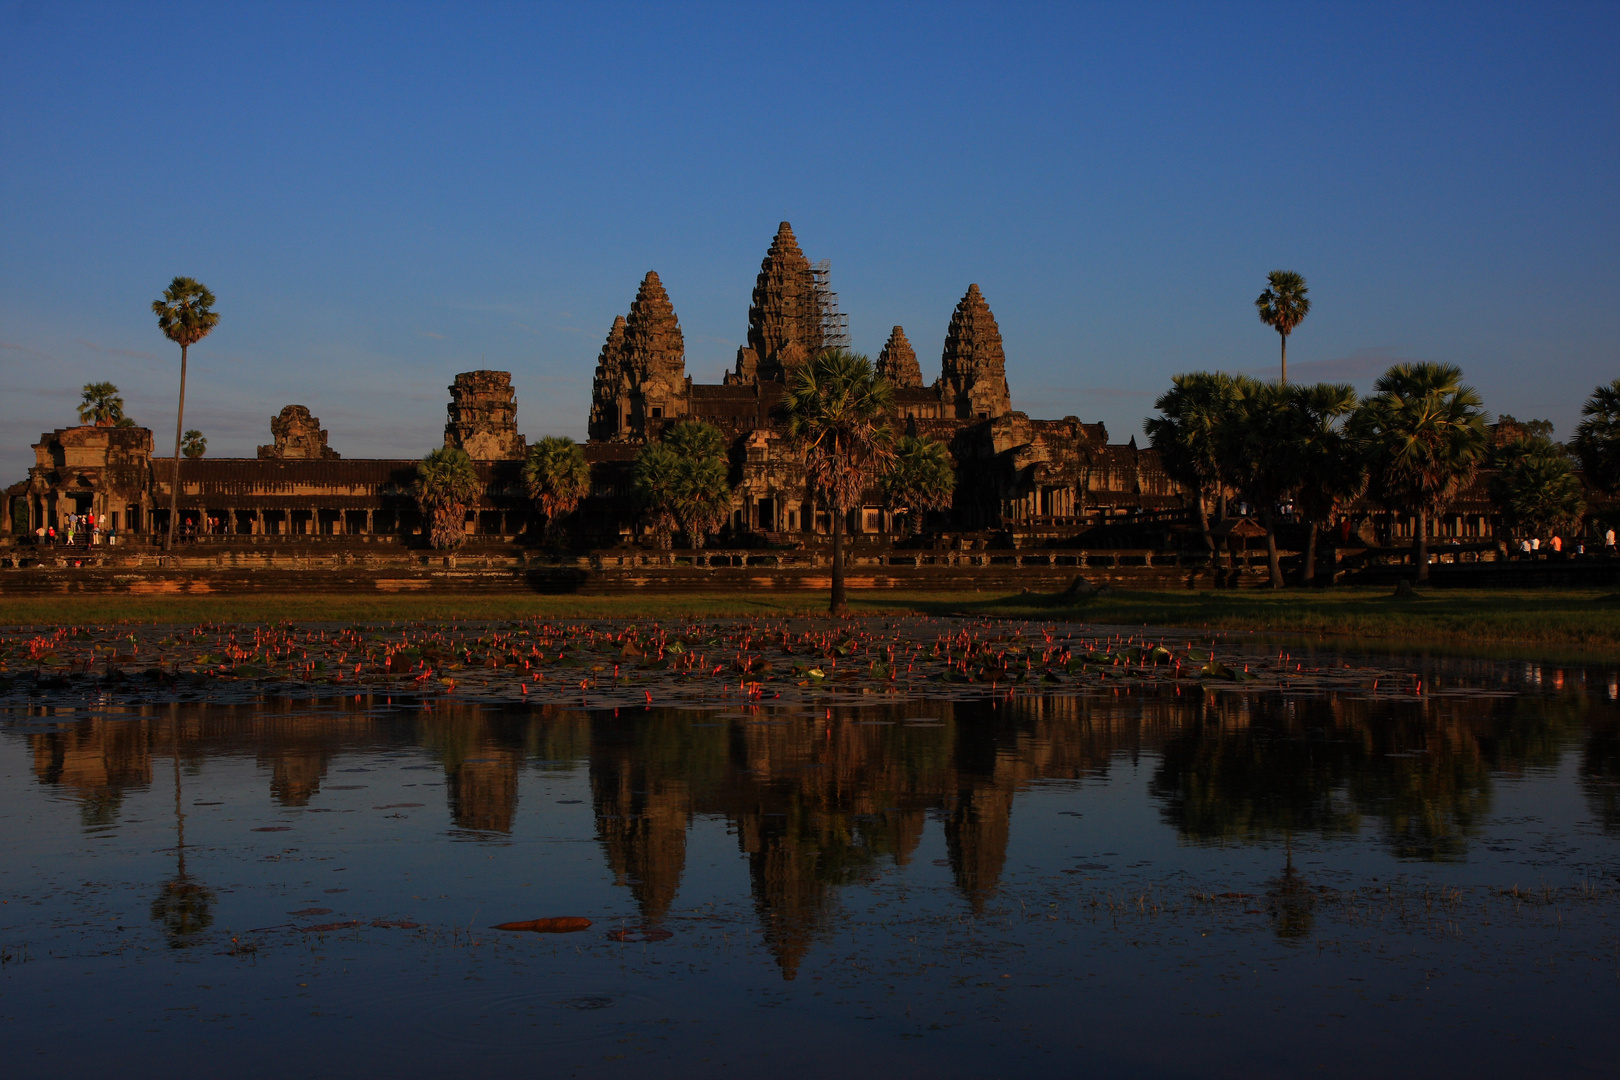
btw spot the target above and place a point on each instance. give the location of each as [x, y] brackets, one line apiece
[76, 529]
[1532, 547]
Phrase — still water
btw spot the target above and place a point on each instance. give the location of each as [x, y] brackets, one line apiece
[1228, 882]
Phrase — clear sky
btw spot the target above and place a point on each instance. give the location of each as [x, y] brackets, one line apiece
[384, 195]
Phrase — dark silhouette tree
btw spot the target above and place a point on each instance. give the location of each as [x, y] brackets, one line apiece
[557, 477]
[837, 410]
[186, 316]
[1184, 434]
[1424, 435]
[446, 484]
[1597, 438]
[921, 479]
[1283, 306]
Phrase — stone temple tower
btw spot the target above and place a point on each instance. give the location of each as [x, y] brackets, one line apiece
[973, 370]
[898, 362]
[483, 417]
[641, 373]
[784, 320]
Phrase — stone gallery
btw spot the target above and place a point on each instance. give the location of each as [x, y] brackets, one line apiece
[1042, 478]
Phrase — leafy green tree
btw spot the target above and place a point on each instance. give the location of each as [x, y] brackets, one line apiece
[654, 477]
[446, 485]
[1424, 436]
[1331, 470]
[837, 410]
[101, 405]
[1597, 438]
[194, 445]
[557, 477]
[1257, 443]
[186, 316]
[1283, 306]
[922, 478]
[1185, 435]
[1535, 488]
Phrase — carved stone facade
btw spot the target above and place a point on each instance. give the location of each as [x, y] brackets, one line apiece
[297, 436]
[483, 417]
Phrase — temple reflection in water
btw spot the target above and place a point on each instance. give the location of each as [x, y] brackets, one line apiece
[820, 801]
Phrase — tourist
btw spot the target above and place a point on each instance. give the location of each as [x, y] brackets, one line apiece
[1608, 541]
[1557, 544]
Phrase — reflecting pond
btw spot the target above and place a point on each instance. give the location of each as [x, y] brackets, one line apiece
[1165, 878]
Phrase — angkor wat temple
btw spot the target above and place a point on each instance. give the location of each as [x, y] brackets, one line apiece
[1048, 478]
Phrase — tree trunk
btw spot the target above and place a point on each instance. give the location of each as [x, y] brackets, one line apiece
[1309, 575]
[1203, 523]
[1420, 544]
[1284, 358]
[174, 483]
[1271, 550]
[838, 606]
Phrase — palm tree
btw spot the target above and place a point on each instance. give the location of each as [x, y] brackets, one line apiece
[837, 408]
[1256, 446]
[101, 405]
[557, 477]
[446, 483]
[654, 477]
[1535, 489]
[701, 488]
[1184, 434]
[185, 316]
[1331, 471]
[1283, 306]
[194, 445]
[1423, 433]
[1597, 438]
[921, 479]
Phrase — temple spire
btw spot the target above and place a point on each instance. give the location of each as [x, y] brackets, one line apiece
[898, 362]
[784, 321]
[973, 369]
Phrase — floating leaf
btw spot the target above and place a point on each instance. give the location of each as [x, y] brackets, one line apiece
[562, 924]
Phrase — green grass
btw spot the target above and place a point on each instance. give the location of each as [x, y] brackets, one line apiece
[1566, 622]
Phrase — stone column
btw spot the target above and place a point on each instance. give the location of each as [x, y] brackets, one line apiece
[369, 523]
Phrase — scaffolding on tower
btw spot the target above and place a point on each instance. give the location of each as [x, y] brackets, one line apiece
[834, 323]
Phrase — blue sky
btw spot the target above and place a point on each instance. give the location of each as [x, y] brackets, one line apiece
[384, 195]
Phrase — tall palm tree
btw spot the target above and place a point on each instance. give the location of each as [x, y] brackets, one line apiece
[921, 479]
[699, 491]
[1331, 470]
[1423, 433]
[557, 477]
[702, 496]
[1535, 489]
[1256, 445]
[837, 408]
[446, 484]
[1184, 434]
[101, 405]
[185, 315]
[1283, 306]
[654, 478]
[1597, 438]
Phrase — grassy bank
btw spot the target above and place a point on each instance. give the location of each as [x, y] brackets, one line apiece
[1573, 622]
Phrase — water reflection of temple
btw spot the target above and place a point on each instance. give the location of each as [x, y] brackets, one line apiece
[818, 803]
